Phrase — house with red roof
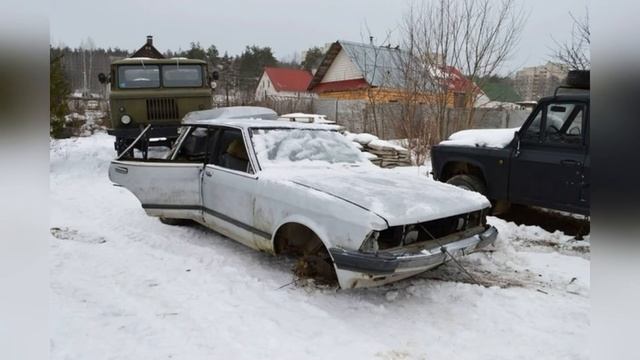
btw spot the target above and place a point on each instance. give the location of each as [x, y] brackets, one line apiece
[349, 70]
[283, 83]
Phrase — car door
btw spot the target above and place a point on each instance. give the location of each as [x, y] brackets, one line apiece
[547, 168]
[228, 188]
[167, 187]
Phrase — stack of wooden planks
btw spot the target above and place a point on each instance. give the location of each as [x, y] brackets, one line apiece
[380, 152]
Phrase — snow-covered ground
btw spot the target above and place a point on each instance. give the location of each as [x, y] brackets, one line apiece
[125, 286]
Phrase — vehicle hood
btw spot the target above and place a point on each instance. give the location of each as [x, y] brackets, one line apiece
[491, 138]
[397, 197]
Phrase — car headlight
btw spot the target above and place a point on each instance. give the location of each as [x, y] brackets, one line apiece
[125, 119]
[370, 244]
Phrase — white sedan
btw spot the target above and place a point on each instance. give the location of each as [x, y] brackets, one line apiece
[305, 190]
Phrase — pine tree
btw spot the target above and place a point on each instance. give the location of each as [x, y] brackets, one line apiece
[59, 89]
[312, 58]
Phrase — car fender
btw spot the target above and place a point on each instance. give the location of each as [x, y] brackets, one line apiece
[336, 221]
[459, 158]
[313, 225]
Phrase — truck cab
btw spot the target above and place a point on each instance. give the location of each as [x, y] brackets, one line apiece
[545, 164]
[157, 91]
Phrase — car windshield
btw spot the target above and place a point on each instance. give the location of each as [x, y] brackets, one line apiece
[304, 147]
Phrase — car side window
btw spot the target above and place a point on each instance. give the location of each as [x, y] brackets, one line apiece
[194, 146]
[563, 124]
[230, 152]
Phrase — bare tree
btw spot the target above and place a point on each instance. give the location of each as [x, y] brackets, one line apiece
[87, 46]
[370, 62]
[452, 47]
[575, 53]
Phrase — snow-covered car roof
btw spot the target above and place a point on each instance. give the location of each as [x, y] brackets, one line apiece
[247, 117]
[258, 123]
[232, 112]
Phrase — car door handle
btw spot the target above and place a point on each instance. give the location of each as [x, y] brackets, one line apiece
[570, 163]
[208, 173]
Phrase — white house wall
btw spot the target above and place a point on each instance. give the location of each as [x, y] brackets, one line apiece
[265, 87]
[342, 69]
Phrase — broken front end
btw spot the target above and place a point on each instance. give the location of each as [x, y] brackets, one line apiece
[406, 250]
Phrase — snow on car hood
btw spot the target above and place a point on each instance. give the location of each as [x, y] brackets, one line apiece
[398, 198]
[493, 138]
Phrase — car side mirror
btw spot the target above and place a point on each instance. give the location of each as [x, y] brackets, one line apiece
[215, 75]
[517, 140]
[102, 78]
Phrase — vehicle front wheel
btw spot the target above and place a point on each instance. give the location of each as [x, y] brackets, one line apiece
[468, 182]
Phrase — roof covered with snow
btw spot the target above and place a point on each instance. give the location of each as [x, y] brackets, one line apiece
[260, 123]
[285, 79]
[246, 117]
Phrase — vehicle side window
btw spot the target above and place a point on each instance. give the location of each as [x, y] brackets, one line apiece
[532, 133]
[194, 145]
[563, 124]
[231, 152]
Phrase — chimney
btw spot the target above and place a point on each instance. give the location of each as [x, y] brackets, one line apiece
[371, 40]
[149, 40]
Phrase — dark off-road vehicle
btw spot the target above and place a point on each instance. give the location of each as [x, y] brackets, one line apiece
[546, 163]
[149, 89]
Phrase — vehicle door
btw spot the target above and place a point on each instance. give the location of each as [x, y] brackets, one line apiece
[228, 188]
[547, 167]
[169, 186]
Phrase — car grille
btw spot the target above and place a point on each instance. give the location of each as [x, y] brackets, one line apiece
[162, 109]
[397, 236]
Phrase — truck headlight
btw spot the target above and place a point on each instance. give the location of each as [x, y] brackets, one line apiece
[125, 119]
[370, 244]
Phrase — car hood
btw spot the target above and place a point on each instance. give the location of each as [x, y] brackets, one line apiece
[397, 197]
[491, 138]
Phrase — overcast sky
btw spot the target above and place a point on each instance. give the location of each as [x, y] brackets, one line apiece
[287, 26]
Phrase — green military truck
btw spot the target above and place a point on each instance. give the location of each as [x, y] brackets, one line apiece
[149, 89]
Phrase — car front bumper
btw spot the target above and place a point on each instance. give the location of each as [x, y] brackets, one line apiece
[357, 269]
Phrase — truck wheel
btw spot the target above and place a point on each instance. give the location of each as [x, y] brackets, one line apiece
[468, 182]
[174, 222]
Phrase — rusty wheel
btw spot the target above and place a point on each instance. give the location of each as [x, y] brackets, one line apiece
[315, 263]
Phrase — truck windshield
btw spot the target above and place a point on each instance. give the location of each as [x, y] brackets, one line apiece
[148, 76]
[138, 76]
[182, 75]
